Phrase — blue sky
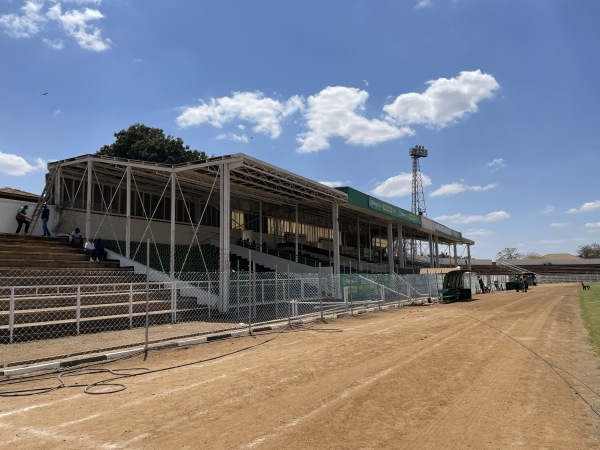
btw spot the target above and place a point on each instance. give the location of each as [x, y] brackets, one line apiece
[504, 95]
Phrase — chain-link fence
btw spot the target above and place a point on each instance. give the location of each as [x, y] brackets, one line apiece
[45, 314]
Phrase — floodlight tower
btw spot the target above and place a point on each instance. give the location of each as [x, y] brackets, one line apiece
[418, 198]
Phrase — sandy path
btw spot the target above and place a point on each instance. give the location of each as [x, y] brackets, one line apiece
[507, 370]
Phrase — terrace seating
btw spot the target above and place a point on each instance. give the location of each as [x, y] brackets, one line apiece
[49, 289]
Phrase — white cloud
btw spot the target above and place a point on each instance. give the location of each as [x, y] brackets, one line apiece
[478, 232]
[333, 113]
[458, 187]
[496, 164]
[55, 44]
[76, 24]
[586, 207]
[445, 100]
[265, 113]
[548, 209]
[17, 166]
[25, 25]
[56, 113]
[592, 225]
[559, 225]
[334, 184]
[398, 186]
[422, 4]
[233, 137]
[462, 219]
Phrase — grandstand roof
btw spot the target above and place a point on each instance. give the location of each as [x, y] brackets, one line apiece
[559, 256]
[253, 179]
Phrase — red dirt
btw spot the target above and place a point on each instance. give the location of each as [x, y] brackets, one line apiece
[506, 370]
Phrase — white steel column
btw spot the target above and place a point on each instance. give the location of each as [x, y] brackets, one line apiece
[468, 255]
[58, 198]
[437, 251]
[400, 248]
[336, 238]
[455, 256]
[390, 247]
[225, 228]
[260, 225]
[296, 219]
[88, 210]
[128, 216]
[172, 242]
[358, 240]
[431, 263]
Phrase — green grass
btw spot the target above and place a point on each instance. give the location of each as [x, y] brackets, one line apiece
[590, 306]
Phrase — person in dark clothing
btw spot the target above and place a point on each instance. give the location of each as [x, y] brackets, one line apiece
[100, 251]
[22, 219]
[45, 217]
[481, 285]
[525, 284]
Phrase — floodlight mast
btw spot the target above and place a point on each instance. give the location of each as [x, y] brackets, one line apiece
[418, 198]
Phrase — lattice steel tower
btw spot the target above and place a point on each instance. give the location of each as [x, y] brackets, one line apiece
[418, 198]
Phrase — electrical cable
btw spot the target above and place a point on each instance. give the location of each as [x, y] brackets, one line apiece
[554, 367]
[110, 383]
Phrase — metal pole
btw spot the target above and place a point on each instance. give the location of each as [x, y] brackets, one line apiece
[11, 315]
[147, 297]
[78, 308]
[320, 294]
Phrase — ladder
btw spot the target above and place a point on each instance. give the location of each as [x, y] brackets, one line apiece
[35, 215]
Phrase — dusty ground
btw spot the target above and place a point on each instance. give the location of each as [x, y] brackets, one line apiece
[507, 370]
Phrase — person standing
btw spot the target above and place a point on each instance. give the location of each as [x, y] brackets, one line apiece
[481, 285]
[517, 282]
[525, 283]
[22, 219]
[45, 217]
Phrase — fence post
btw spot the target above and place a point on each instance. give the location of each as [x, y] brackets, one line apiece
[320, 293]
[130, 305]
[11, 315]
[78, 308]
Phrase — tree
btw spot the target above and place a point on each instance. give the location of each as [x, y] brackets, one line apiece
[150, 144]
[508, 253]
[531, 255]
[589, 251]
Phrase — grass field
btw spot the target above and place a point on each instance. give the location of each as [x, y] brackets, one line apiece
[590, 307]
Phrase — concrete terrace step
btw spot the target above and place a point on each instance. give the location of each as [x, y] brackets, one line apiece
[58, 263]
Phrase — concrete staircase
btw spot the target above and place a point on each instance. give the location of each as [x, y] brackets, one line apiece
[49, 289]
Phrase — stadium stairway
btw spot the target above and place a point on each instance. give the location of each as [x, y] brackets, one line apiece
[49, 289]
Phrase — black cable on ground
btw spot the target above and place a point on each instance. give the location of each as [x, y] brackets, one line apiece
[554, 367]
[110, 383]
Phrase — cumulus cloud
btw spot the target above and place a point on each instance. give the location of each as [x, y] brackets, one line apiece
[592, 225]
[459, 187]
[75, 23]
[233, 137]
[266, 114]
[334, 184]
[559, 225]
[462, 219]
[398, 186]
[26, 24]
[333, 112]
[548, 209]
[496, 164]
[445, 100]
[17, 166]
[586, 207]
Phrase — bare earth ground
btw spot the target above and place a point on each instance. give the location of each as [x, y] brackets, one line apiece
[506, 370]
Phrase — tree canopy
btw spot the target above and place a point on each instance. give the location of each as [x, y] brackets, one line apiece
[144, 143]
[589, 251]
[508, 253]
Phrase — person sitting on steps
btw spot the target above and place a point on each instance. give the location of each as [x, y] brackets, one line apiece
[90, 249]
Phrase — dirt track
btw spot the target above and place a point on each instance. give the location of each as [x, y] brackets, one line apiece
[507, 370]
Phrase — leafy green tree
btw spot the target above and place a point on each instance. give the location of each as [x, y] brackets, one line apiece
[508, 253]
[144, 143]
[589, 251]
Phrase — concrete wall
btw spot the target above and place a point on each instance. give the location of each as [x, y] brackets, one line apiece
[8, 212]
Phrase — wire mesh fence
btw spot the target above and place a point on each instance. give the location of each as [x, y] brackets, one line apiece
[46, 314]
